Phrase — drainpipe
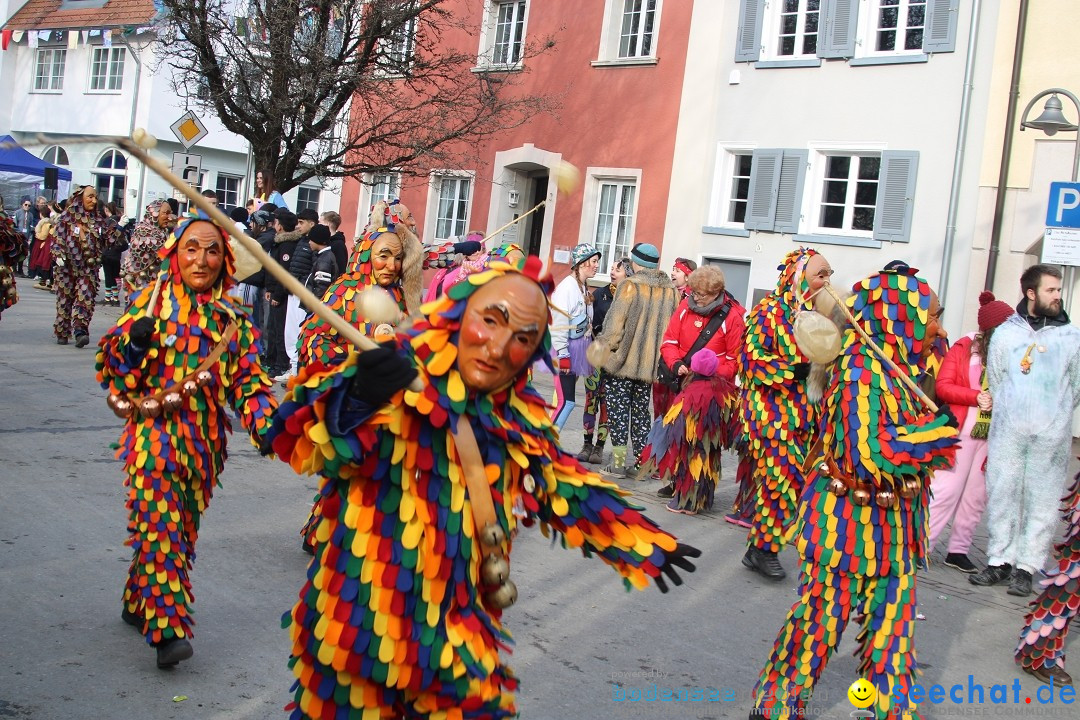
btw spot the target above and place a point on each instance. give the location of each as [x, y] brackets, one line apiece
[958, 157]
[1006, 149]
[131, 126]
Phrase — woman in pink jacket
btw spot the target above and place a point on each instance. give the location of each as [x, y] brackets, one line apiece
[960, 491]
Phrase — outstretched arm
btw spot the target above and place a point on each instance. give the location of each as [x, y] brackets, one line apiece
[769, 352]
[250, 389]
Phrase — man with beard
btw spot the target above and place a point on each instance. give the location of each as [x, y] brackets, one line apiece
[1033, 371]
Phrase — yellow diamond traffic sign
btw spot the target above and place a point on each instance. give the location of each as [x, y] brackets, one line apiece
[189, 129]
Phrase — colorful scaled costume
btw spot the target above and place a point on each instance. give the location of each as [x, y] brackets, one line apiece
[173, 459]
[81, 236]
[394, 620]
[862, 521]
[147, 237]
[777, 417]
[1046, 627]
[688, 441]
[12, 252]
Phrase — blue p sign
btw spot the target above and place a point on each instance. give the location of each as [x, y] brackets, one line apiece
[1063, 210]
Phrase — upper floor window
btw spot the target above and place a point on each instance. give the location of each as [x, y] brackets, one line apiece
[509, 33]
[228, 190]
[849, 192]
[307, 198]
[898, 25]
[452, 214]
[49, 69]
[796, 23]
[55, 155]
[638, 24]
[398, 48]
[107, 69]
[384, 187]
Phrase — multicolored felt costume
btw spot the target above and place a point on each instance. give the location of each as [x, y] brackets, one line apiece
[777, 418]
[862, 521]
[393, 621]
[147, 237]
[1046, 626]
[12, 251]
[173, 460]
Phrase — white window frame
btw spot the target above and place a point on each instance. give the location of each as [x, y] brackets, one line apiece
[403, 43]
[596, 179]
[770, 32]
[53, 153]
[307, 189]
[112, 173]
[223, 194]
[815, 185]
[113, 65]
[489, 34]
[866, 43]
[724, 181]
[53, 79]
[611, 33]
[367, 198]
[435, 181]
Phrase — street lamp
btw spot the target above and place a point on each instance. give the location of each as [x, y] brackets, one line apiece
[1052, 121]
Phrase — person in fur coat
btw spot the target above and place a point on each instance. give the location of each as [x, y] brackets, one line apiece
[628, 350]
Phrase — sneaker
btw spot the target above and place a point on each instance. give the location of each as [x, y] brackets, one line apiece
[1050, 674]
[1020, 585]
[597, 456]
[286, 376]
[171, 652]
[736, 519]
[667, 491]
[674, 507]
[633, 471]
[764, 562]
[960, 561]
[992, 575]
[612, 469]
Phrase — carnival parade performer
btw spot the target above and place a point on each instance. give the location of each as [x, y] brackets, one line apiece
[688, 441]
[82, 233]
[778, 418]
[171, 370]
[12, 251]
[1046, 627]
[571, 332]
[147, 238]
[862, 520]
[401, 614]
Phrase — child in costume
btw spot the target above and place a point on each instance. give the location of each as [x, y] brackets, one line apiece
[689, 439]
[401, 614]
[12, 252]
[778, 418]
[862, 520]
[147, 237]
[171, 370]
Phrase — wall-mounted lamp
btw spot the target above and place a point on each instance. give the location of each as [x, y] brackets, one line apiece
[512, 198]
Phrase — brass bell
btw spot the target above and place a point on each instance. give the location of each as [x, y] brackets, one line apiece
[885, 498]
[837, 487]
[120, 405]
[861, 496]
[493, 535]
[189, 388]
[912, 485]
[494, 570]
[172, 401]
[150, 408]
[204, 378]
[504, 596]
[823, 469]
[528, 483]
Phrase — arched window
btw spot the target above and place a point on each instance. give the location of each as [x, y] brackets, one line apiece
[55, 155]
[110, 177]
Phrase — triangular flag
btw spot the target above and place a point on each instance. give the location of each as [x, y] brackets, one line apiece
[106, 38]
[73, 40]
[17, 36]
[31, 39]
[85, 37]
[5, 38]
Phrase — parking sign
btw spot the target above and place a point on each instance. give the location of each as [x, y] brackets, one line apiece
[1063, 209]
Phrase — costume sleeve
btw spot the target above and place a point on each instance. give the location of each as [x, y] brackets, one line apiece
[952, 380]
[733, 331]
[563, 299]
[250, 388]
[765, 359]
[879, 441]
[669, 347]
[593, 515]
[120, 367]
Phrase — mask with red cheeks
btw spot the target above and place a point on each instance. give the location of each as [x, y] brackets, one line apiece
[502, 326]
[386, 259]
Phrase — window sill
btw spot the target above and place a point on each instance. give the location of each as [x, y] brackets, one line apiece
[104, 92]
[848, 240]
[889, 59]
[625, 62]
[47, 92]
[515, 67]
[794, 63]
[729, 231]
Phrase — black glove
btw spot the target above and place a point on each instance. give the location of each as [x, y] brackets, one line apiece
[380, 373]
[140, 332]
[950, 419]
[676, 557]
[800, 371]
[468, 247]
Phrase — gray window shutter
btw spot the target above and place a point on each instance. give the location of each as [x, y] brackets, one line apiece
[837, 33]
[789, 190]
[939, 34]
[896, 196]
[764, 180]
[748, 39]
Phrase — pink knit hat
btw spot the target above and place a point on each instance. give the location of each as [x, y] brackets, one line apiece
[992, 312]
[704, 362]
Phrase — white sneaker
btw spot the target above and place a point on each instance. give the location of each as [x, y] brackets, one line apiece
[286, 376]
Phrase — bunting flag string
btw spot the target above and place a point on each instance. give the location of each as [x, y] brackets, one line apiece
[5, 38]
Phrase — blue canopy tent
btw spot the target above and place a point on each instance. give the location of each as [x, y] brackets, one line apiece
[23, 174]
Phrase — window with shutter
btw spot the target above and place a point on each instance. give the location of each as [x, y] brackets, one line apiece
[839, 23]
[789, 191]
[941, 20]
[748, 37]
[764, 181]
[896, 196]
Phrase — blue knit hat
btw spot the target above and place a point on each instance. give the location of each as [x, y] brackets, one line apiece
[646, 255]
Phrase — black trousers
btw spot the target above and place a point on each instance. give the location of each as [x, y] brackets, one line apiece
[112, 271]
[276, 357]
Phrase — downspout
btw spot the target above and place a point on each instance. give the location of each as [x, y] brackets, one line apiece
[131, 127]
[961, 149]
[1006, 149]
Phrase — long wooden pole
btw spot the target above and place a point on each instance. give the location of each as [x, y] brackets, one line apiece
[519, 218]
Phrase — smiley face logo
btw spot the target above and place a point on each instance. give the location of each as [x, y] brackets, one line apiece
[861, 693]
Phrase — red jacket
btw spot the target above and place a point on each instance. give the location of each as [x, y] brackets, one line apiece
[953, 381]
[685, 326]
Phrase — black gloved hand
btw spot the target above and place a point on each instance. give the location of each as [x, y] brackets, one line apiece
[950, 419]
[380, 373]
[678, 557]
[140, 332]
[468, 247]
[801, 371]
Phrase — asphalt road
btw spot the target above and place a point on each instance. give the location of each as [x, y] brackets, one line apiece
[581, 640]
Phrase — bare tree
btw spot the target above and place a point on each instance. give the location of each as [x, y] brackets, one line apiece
[326, 88]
